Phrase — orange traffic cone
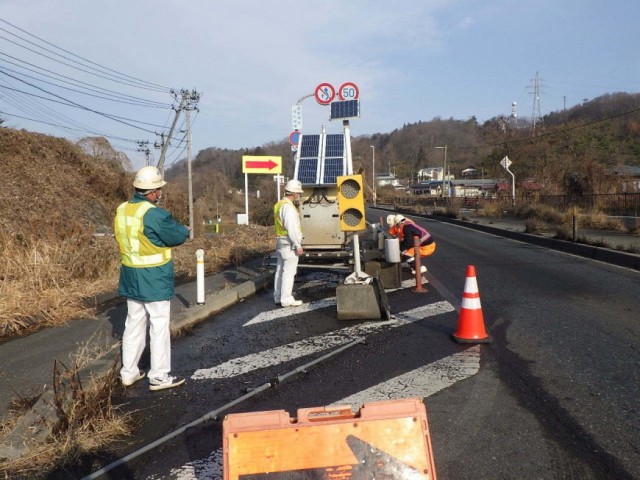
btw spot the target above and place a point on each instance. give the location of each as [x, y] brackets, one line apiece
[470, 322]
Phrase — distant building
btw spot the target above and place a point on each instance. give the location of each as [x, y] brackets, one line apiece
[470, 172]
[629, 177]
[431, 174]
[458, 188]
[387, 178]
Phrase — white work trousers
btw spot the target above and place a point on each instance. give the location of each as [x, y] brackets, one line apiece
[285, 271]
[134, 338]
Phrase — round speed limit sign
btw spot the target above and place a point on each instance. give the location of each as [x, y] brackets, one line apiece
[348, 91]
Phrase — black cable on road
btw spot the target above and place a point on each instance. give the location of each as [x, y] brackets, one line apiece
[213, 415]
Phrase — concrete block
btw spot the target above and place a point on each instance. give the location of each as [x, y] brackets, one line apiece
[390, 274]
[358, 302]
[213, 304]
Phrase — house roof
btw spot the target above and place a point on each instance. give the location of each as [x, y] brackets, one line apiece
[626, 170]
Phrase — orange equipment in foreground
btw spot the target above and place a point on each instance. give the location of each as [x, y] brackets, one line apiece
[387, 439]
[471, 322]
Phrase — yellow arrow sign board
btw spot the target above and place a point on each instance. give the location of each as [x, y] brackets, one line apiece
[261, 164]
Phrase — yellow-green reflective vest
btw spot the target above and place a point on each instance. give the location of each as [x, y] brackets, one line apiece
[135, 248]
[277, 221]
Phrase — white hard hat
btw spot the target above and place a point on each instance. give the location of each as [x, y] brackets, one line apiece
[398, 218]
[391, 220]
[293, 186]
[148, 178]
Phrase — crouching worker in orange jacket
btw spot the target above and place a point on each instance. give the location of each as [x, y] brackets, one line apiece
[405, 230]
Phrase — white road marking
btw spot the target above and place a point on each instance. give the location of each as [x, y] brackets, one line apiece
[311, 306]
[421, 382]
[319, 343]
[210, 467]
[408, 283]
[281, 312]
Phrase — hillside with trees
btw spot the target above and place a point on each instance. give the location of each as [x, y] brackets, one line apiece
[49, 182]
[571, 151]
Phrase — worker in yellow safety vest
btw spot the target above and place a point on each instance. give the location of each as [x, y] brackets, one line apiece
[286, 219]
[145, 234]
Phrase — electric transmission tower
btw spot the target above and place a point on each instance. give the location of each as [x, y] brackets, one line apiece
[536, 114]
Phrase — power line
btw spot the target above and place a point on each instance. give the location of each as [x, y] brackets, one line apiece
[72, 103]
[115, 99]
[75, 82]
[157, 86]
[114, 79]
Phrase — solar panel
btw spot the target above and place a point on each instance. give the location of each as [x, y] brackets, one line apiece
[309, 159]
[308, 171]
[321, 159]
[333, 165]
[345, 109]
[334, 145]
[333, 168]
[310, 146]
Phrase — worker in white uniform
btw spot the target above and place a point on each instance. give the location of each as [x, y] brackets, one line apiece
[286, 219]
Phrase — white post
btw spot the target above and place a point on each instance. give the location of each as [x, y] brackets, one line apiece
[347, 139]
[356, 255]
[246, 196]
[277, 178]
[200, 276]
[513, 188]
[505, 162]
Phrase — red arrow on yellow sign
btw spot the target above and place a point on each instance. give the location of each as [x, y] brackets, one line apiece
[261, 164]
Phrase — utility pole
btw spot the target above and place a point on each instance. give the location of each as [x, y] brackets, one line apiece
[190, 104]
[444, 167]
[143, 146]
[161, 143]
[188, 99]
[188, 107]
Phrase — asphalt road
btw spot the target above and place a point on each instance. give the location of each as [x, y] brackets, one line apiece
[553, 397]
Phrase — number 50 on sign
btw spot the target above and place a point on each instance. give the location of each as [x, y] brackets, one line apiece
[348, 91]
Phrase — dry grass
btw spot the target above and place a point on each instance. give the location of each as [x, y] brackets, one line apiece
[542, 213]
[596, 220]
[87, 420]
[47, 278]
[490, 210]
[56, 256]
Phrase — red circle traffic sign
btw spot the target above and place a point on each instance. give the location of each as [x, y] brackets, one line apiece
[324, 93]
[348, 91]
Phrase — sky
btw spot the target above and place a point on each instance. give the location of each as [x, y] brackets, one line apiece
[251, 61]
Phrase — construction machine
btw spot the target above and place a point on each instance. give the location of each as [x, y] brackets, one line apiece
[335, 232]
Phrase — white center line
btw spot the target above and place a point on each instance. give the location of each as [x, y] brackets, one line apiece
[319, 343]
